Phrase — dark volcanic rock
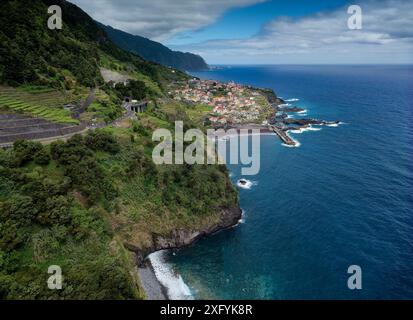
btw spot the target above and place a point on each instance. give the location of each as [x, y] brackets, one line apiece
[291, 109]
[303, 122]
[184, 237]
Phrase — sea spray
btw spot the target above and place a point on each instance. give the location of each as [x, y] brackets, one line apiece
[173, 282]
[246, 184]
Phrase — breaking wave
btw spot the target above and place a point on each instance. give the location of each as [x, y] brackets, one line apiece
[301, 130]
[169, 279]
[247, 185]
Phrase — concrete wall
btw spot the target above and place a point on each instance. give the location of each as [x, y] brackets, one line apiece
[21, 122]
[42, 134]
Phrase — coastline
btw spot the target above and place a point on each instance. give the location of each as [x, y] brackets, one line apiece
[152, 285]
[158, 278]
[154, 290]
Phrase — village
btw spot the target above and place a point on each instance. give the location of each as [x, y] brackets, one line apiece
[230, 103]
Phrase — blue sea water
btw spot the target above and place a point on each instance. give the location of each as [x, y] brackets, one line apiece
[344, 197]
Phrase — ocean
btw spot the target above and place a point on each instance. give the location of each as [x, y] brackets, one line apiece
[343, 197]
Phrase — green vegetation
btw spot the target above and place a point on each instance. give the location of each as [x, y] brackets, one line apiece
[102, 111]
[67, 58]
[199, 113]
[154, 51]
[266, 111]
[79, 204]
[50, 213]
[36, 101]
[54, 67]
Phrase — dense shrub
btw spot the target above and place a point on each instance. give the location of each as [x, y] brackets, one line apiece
[53, 211]
[42, 157]
[102, 140]
[25, 151]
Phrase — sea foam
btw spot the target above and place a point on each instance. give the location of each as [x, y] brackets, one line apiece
[247, 185]
[333, 125]
[242, 220]
[173, 282]
[301, 130]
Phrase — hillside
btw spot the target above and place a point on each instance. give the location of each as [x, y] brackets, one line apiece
[155, 51]
[89, 205]
[31, 53]
[94, 204]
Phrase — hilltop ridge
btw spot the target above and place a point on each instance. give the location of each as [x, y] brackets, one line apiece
[155, 51]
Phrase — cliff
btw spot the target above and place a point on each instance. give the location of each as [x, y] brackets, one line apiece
[155, 51]
[179, 238]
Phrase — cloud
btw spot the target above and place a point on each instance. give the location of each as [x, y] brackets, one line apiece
[386, 37]
[159, 19]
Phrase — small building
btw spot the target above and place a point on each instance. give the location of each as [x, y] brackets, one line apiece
[136, 106]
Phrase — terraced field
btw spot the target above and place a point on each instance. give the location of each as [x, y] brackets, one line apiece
[43, 103]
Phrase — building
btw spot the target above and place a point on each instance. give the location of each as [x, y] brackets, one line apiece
[133, 105]
[138, 107]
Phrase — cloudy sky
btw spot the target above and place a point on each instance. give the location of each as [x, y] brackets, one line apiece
[267, 31]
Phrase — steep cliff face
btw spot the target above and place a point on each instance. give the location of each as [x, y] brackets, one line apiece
[155, 52]
[179, 238]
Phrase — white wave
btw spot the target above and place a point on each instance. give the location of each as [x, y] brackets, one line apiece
[301, 130]
[173, 282]
[247, 185]
[297, 144]
[292, 100]
[242, 220]
[333, 125]
[302, 111]
[313, 129]
[285, 105]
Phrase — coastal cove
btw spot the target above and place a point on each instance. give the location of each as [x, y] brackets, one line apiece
[341, 198]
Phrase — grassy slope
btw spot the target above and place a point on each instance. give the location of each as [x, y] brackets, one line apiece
[78, 212]
[67, 59]
[47, 65]
[38, 101]
[60, 213]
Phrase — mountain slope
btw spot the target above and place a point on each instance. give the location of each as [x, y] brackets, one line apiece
[95, 204]
[32, 53]
[156, 52]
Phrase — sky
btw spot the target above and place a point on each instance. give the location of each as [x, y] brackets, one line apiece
[268, 31]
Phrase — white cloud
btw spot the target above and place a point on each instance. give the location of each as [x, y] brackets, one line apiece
[386, 37]
[158, 19]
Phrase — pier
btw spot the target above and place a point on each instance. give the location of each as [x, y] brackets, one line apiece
[285, 138]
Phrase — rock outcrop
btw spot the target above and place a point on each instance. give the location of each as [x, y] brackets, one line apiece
[183, 237]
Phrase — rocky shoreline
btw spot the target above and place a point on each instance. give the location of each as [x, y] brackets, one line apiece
[177, 239]
[279, 123]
